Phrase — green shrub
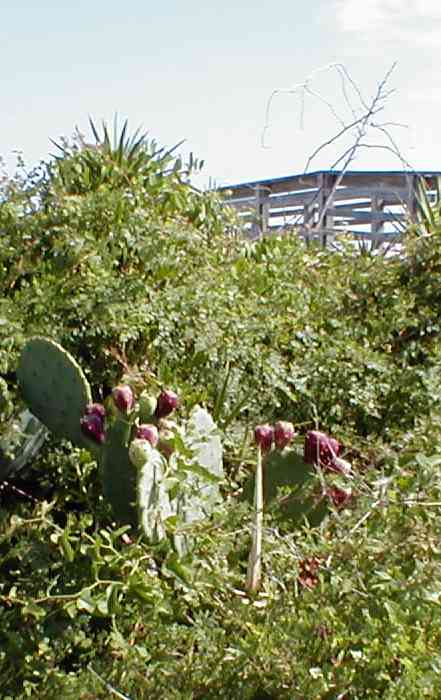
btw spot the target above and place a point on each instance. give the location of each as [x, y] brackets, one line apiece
[111, 252]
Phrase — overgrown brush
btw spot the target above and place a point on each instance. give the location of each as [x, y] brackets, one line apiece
[147, 283]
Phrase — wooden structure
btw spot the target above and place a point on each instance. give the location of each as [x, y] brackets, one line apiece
[370, 205]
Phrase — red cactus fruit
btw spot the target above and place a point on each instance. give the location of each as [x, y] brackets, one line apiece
[148, 432]
[309, 572]
[264, 436]
[320, 449]
[93, 427]
[123, 398]
[283, 433]
[167, 433]
[95, 409]
[339, 497]
[167, 402]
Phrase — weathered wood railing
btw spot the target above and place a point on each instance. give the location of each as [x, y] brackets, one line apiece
[373, 205]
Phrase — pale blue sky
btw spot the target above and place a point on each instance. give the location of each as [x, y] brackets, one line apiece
[204, 71]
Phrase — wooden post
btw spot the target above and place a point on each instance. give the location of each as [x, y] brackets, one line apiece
[262, 210]
[325, 220]
[411, 203]
[308, 221]
[377, 206]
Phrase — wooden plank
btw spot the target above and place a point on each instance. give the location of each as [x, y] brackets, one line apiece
[289, 212]
[311, 196]
[391, 196]
[371, 216]
[351, 177]
[299, 202]
[294, 199]
[341, 209]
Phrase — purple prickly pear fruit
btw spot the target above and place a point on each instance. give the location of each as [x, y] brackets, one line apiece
[320, 449]
[283, 433]
[264, 436]
[167, 431]
[148, 432]
[167, 402]
[339, 497]
[95, 409]
[123, 398]
[93, 427]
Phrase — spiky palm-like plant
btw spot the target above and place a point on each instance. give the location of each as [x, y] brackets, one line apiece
[114, 160]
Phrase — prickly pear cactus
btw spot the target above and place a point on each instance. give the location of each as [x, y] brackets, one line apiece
[118, 475]
[143, 486]
[54, 387]
[286, 468]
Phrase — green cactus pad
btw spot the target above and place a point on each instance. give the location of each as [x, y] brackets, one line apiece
[54, 387]
[283, 469]
[118, 473]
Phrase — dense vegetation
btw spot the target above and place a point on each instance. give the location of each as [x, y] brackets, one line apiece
[109, 250]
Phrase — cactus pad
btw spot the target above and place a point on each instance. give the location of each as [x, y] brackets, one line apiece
[118, 473]
[54, 387]
[283, 469]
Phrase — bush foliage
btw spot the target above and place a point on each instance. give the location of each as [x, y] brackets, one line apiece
[111, 251]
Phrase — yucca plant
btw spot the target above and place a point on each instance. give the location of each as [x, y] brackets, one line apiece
[428, 207]
[114, 159]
